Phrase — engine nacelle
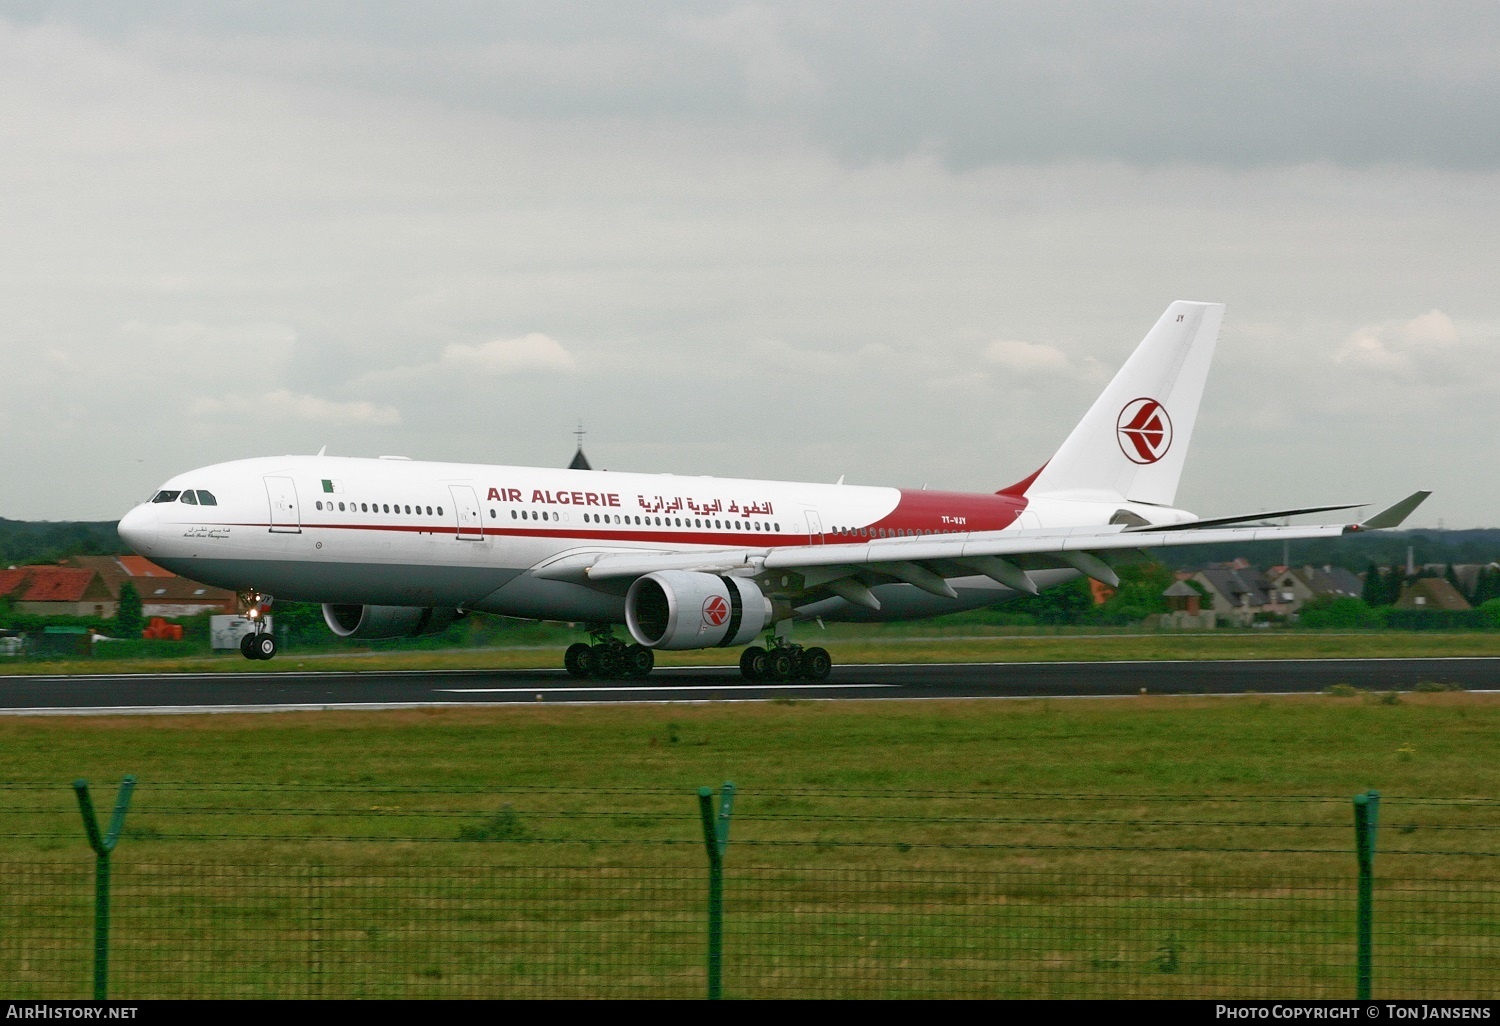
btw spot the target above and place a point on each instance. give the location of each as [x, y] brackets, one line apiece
[675, 609]
[387, 621]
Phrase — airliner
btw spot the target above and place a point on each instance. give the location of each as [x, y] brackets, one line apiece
[394, 547]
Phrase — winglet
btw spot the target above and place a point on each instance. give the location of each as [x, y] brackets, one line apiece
[1393, 516]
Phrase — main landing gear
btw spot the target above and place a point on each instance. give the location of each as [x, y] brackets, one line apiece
[785, 661]
[608, 657]
[259, 644]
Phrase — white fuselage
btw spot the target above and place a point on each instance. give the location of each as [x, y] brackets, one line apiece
[410, 533]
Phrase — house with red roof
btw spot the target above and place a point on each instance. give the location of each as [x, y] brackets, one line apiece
[162, 592]
[90, 586]
[57, 591]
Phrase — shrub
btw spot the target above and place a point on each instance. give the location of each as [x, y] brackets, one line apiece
[1338, 614]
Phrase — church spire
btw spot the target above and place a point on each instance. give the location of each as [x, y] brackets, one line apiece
[580, 461]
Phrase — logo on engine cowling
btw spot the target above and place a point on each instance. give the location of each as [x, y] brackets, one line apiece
[715, 611]
[1144, 431]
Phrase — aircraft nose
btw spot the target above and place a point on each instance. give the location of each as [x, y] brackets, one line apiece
[138, 529]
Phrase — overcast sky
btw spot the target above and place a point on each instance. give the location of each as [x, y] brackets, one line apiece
[905, 242]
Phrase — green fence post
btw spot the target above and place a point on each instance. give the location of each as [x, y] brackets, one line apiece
[102, 846]
[716, 840]
[1366, 815]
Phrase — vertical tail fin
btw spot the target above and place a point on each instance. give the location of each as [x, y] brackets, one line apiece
[1133, 441]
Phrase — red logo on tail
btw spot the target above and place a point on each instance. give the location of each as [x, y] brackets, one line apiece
[1144, 431]
[715, 611]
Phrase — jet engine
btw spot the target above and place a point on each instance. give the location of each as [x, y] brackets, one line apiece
[675, 609]
[387, 621]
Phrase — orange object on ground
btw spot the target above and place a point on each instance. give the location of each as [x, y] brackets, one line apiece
[159, 630]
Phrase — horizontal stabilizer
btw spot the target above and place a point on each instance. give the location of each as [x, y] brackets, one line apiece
[1394, 516]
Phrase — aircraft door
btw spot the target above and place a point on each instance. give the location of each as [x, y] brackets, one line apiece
[285, 517]
[466, 509]
[814, 526]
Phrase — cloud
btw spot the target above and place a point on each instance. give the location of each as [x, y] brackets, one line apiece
[1394, 345]
[1027, 357]
[977, 84]
[284, 403]
[772, 68]
[531, 353]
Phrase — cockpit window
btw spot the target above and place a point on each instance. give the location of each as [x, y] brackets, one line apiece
[189, 498]
[166, 496]
[206, 498]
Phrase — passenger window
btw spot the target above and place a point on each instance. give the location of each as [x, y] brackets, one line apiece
[166, 496]
[387, 509]
[492, 512]
[429, 512]
[408, 509]
[319, 504]
[189, 498]
[440, 511]
[206, 498]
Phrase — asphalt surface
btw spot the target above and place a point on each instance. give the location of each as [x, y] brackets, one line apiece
[299, 689]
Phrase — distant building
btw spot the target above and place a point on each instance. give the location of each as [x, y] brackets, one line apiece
[90, 586]
[1186, 608]
[1294, 587]
[1237, 592]
[57, 591]
[162, 592]
[1431, 593]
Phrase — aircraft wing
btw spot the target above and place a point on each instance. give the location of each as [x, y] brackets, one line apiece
[928, 561]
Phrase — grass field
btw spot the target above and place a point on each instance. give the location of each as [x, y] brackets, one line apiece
[1128, 847]
[852, 644]
[893, 758]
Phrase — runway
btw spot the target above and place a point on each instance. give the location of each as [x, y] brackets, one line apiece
[302, 690]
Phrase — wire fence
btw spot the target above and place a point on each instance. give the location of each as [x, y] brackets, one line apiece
[261, 891]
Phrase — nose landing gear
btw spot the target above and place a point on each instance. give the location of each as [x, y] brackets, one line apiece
[259, 644]
[608, 657]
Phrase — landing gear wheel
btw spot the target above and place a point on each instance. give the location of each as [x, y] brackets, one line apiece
[609, 661]
[265, 646]
[783, 666]
[753, 663]
[247, 646]
[639, 660]
[817, 664]
[578, 660]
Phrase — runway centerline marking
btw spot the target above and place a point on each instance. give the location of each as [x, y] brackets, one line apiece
[631, 688]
